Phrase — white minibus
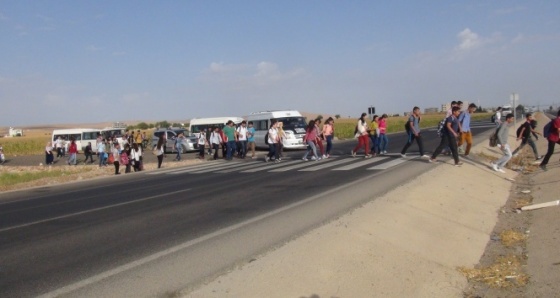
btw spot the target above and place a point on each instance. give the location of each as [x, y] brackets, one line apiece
[199, 124]
[293, 124]
[81, 136]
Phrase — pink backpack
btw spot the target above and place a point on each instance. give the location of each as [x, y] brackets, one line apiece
[124, 158]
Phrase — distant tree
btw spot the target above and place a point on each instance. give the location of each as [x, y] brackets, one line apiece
[163, 124]
[337, 116]
[151, 125]
[142, 125]
[320, 117]
[479, 109]
[130, 127]
[550, 108]
[175, 124]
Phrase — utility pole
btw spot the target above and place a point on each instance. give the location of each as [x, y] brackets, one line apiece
[514, 98]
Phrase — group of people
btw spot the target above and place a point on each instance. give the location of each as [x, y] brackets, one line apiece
[231, 140]
[314, 138]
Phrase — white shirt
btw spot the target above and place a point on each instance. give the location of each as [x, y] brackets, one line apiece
[215, 138]
[273, 135]
[242, 133]
[498, 117]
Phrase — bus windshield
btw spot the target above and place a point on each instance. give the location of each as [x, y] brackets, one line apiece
[297, 124]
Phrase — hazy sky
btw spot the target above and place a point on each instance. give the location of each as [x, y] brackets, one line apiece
[92, 61]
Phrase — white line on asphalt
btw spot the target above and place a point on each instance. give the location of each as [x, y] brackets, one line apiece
[270, 165]
[199, 166]
[224, 167]
[99, 277]
[91, 210]
[360, 163]
[300, 164]
[390, 164]
[327, 165]
[217, 166]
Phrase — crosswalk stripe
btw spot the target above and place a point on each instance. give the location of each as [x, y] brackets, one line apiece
[270, 165]
[252, 165]
[359, 164]
[390, 164]
[203, 164]
[232, 167]
[327, 165]
[301, 164]
[213, 167]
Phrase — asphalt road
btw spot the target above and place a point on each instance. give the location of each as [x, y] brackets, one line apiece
[152, 233]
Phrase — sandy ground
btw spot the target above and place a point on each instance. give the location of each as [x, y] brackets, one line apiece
[408, 243]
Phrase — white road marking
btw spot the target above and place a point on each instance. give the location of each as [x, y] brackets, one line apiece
[271, 165]
[327, 165]
[390, 164]
[214, 167]
[360, 163]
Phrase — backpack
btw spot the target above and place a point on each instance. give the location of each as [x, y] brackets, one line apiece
[440, 127]
[407, 124]
[124, 158]
[266, 138]
[493, 118]
[493, 141]
[518, 132]
[547, 129]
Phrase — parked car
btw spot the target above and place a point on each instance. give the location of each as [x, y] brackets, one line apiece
[188, 144]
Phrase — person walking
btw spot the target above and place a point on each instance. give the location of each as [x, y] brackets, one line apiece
[328, 133]
[49, 156]
[159, 151]
[273, 140]
[503, 134]
[320, 138]
[202, 142]
[136, 156]
[116, 152]
[361, 132]
[126, 158]
[553, 138]
[449, 137]
[215, 141]
[231, 137]
[138, 139]
[466, 134]
[88, 152]
[310, 139]
[58, 145]
[374, 135]
[498, 116]
[242, 137]
[178, 145]
[383, 140]
[101, 152]
[251, 138]
[413, 133]
[72, 152]
[525, 132]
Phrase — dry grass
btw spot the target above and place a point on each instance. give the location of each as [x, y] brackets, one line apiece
[506, 272]
[510, 238]
[32, 142]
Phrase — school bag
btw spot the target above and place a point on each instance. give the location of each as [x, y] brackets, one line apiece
[493, 118]
[124, 158]
[547, 129]
[518, 132]
[493, 141]
[266, 138]
[440, 127]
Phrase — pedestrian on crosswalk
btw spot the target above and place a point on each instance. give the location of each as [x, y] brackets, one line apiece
[466, 134]
[310, 138]
[328, 133]
[361, 132]
[374, 135]
[273, 139]
[383, 139]
[319, 139]
[413, 133]
[449, 137]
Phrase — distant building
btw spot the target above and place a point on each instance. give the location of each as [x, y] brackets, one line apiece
[445, 107]
[431, 110]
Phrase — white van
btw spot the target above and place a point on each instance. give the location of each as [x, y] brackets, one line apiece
[294, 125]
[198, 124]
[81, 136]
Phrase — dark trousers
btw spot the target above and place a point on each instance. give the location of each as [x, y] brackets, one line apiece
[329, 144]
[549, 152]
[531, 143]
[447, 140]
[411, 138]
[116, 164]
[90, 156]
[201, 151]
[216, 147]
